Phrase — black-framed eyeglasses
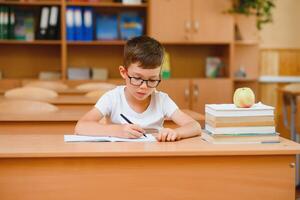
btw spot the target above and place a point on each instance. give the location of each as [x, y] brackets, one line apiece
[139, 81]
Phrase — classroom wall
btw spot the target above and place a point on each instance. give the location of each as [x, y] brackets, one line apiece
[284, 32]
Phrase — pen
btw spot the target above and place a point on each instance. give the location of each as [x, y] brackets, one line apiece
[128, 121]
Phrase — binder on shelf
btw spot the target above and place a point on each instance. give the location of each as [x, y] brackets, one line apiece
[11, 23]
[1, 22]
[43, 25]
[78, 23]
[5, 20]
[53, 23]
[88, 24]
[70, 23]
[29, 27]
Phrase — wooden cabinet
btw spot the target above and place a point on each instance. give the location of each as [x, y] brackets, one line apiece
[170, 20]
[194, 94]
[178, 90]
[210, 23]
[209, 91]
[176, 21]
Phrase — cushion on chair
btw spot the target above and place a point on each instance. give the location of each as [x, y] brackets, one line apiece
[26, 107]
[88, 87]
[51, 85]
[95, 94]
[30, 93]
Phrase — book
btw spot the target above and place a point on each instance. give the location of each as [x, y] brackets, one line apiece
[213, 67]
[107, 27]
[131, 25]
[230, 110]
[83, 138]
[240, 138]
[241, 130]
[239, 121]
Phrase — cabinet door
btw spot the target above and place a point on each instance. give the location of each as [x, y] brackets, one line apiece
[210, 23]
[178, 90]
[169, 20]
[209, 91]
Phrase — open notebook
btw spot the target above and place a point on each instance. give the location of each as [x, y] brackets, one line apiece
[82, 138]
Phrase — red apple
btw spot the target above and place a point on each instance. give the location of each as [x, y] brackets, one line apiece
[243, 97]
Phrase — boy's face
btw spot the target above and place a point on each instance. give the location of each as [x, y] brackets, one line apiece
[140, 82]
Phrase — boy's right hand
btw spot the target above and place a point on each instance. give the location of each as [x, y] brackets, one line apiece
[131, 131]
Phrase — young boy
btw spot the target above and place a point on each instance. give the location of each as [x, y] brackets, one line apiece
[138, 100]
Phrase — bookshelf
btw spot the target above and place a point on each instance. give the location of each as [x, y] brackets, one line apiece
[201, 30]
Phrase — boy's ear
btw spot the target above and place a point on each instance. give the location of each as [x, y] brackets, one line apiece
[123, 71]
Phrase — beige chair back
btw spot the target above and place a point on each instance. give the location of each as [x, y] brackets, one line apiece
[292, 87]
[51, 85]
[26, 107]
[95, 94]
[88, 87]
[30, 93]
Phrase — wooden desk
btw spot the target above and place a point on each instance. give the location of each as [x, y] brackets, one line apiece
[44, 167]
[61, 122]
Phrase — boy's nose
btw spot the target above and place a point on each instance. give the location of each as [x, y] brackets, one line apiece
[144, 85]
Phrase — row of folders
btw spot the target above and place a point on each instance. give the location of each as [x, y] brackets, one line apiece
[23, 24]
[83, 24]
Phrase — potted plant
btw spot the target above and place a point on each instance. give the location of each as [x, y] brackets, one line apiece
[261, 9]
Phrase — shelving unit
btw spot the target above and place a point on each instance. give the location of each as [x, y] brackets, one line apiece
[190, 30]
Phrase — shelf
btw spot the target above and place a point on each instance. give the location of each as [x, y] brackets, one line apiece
[34, 42]
[30, 3]
[245, 79]
[246, 42]
[196, 43]
[107, 4]
[95, 43]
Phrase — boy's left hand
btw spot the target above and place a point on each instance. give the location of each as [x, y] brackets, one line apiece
[167, 135]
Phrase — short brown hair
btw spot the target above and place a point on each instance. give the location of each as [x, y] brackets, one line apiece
[146, 51]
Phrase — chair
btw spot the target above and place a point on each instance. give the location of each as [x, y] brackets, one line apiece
[30, 93]
[291, 95]
[95, 94]
[88, 87]
[51, 85]
[26, 107]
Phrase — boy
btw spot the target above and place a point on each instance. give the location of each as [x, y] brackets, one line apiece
[138, 100]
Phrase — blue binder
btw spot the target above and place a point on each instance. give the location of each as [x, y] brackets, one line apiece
[88, 24]
[78, 23]
[70, 23]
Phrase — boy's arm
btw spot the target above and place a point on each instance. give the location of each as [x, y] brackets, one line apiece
[188, 128]
[89, 125]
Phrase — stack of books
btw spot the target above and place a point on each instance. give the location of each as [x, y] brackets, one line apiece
[227, 124]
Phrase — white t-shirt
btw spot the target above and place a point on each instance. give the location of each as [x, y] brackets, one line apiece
[113, 103]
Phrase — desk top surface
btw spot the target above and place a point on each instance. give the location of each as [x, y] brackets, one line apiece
[19, 146]
[68, 114]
